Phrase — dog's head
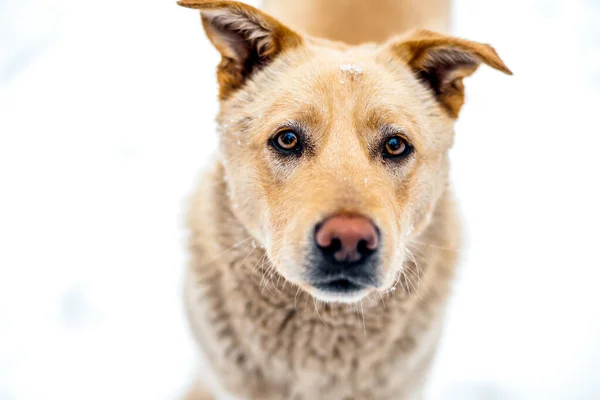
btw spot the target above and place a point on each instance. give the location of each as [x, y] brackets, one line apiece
[335, 155]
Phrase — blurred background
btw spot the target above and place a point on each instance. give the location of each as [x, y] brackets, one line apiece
[107, 114]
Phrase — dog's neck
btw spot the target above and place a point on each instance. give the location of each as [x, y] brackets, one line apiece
[359, 21]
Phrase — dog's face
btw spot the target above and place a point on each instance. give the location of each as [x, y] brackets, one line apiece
[335, 156]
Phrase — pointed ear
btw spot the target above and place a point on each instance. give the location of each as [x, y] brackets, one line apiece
[441, 62]
[247, 39]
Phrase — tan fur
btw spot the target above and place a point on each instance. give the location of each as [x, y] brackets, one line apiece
[266, 331]
[359, 21]
[198, 392]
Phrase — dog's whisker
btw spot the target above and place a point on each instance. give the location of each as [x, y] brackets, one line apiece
[405, 281]
[296, 298]
[410, 283]
[392, 290]
[418, 276]
[216, 258]
[269, 282]
[258, 264]
[317, 310]
[362, 311]
[279, 280]
[435, 246]
[272, 281]
[381, 297]
[267, 277]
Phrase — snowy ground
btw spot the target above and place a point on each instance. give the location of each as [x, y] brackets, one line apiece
[106, 114]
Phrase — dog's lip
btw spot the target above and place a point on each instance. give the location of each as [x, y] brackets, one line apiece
[341, 284]
[338, 286]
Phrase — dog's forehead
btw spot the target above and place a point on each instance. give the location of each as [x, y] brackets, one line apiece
[356, 89]
[350, 83]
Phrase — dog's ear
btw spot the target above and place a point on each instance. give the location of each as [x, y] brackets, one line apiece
[441, 62]
[247, 39]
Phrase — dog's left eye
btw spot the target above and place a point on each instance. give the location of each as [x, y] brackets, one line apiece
[396, 147]
[286, 141]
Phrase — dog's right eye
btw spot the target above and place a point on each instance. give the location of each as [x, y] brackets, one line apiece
[287, 142]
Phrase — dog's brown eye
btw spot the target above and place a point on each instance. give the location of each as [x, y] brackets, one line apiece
[286, 141]
[395, 147]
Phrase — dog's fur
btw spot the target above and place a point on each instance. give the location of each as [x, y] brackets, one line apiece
[361, 21]
[265, 330]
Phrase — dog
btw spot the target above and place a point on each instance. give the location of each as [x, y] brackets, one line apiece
[324, 235]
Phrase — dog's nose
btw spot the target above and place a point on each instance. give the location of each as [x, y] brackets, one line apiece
[347, 238]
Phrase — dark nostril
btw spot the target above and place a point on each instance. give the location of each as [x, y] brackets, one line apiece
[336, 245]
[363, 247]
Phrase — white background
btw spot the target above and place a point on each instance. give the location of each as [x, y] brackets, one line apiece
[106, 115]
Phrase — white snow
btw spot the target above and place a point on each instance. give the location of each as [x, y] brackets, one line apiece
[106, 115]
[349, 70]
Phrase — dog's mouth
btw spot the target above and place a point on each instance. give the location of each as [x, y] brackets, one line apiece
[340, 286]
[341, 290]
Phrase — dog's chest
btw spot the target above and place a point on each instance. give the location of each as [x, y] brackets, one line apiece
[271, 346]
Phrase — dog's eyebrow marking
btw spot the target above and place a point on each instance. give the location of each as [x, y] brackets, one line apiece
[380, 119]
[244, 125]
